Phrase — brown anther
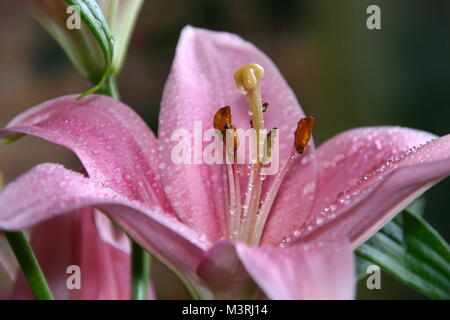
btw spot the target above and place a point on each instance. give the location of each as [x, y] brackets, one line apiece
[270, 140]
[222, 122]
[303, 133]
[222, 119]
[265, 106]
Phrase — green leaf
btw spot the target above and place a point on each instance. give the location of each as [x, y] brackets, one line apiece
[417, 207]
[361, 267]
[409, 249]
[93, 17]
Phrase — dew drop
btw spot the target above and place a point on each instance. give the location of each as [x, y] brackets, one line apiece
[297, 233]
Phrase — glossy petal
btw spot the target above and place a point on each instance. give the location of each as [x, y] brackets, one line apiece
[72, 240]
[310, 271]
[49, 190]
[224, 275]
[379, 173]
[201, 82]
[116, 147]
[111, 233]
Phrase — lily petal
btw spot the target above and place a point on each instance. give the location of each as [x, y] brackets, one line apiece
[373, 188]
[111, 233]
[224, 274]
[49, 190]
[312, 271]
[201, 82]
[8, 266]
[71, 241]
[114, 144]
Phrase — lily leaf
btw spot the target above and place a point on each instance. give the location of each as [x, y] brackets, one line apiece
[92, 16]
[411, 250]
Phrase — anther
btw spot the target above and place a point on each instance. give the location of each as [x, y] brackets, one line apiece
[265, 106]
[303, 133]
[222, 119]
[222, 122]
[270, 137]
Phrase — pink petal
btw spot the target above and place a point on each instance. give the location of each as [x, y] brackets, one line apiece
[373, 189]
[111, 233]
[49, 190]
[309, 271]
[201, 82]
[116, 147]
[8, 266]
[224, 275]
[72, 240]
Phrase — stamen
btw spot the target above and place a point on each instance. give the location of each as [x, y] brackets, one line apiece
[263, 213]
[302, 136]
[222, 122]
[246, 222]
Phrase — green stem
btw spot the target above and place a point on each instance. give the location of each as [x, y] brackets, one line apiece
[30, 265]
[140, 271]
[110, 89]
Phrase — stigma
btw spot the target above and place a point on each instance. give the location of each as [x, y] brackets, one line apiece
[248, 77]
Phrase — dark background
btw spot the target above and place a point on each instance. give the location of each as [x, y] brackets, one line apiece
[343, 74]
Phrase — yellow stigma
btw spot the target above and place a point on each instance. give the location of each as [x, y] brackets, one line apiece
[248, 77]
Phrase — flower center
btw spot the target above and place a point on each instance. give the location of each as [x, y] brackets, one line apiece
[247, 214]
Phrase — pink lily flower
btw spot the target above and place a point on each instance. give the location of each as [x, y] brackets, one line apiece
[72, 241]
[297, 227]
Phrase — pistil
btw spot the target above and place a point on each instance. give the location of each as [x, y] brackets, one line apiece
[245, 222]
[248, 80]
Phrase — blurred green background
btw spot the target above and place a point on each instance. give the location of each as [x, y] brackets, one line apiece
[343, 74]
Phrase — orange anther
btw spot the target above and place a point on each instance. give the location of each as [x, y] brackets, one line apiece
[222, 118]
[303, 133]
